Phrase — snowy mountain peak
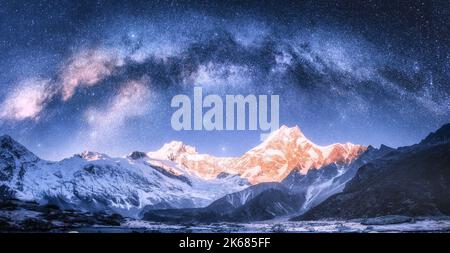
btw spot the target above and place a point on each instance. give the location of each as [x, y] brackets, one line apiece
[92, 156]
[172, 150]
[271, 161]
[92, 181]
[440, 136]
[5, 137]
[285, 131]
[290, 131]
[385, 148]
[287, 149]
[283, 136]
[8, 144]
[136, 155]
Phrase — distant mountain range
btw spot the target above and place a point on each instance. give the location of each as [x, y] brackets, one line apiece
[296, 193]
[271, 161]
[96, 182]
[285, 176]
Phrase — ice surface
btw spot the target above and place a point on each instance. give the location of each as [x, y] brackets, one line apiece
[425, 225]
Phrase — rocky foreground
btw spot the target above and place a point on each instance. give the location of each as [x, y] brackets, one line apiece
[20, 216]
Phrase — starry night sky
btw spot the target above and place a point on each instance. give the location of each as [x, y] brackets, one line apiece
[99, 75]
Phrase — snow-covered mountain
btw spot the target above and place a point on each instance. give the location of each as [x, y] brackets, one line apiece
[407, 181]
[202, 165]
[176, 176]
[94, 181]
[294, 195]
[319, 184]
[271, 161]
[412, 181]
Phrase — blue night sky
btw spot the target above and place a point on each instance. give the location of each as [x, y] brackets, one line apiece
[100, 75]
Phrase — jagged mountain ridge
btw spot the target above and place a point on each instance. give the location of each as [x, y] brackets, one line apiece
[94, 181]
[442, 135]
[412, 181]
[70, 182]
[295, 194]
[379, 182]
[319, 184]
[284, 150]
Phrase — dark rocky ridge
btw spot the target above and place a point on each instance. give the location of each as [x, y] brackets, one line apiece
[259, 202]
[27, 216]
[442, 135]
[411, 181]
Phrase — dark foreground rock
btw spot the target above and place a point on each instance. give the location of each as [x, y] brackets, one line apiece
[22, 216]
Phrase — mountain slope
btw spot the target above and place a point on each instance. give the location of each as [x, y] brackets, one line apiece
[442, 135]
[411, 181]
[93, 181]
[319, 184]
[259, 202]
[268, 205]
[295, 194]
[271, 161]
[202, 165]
